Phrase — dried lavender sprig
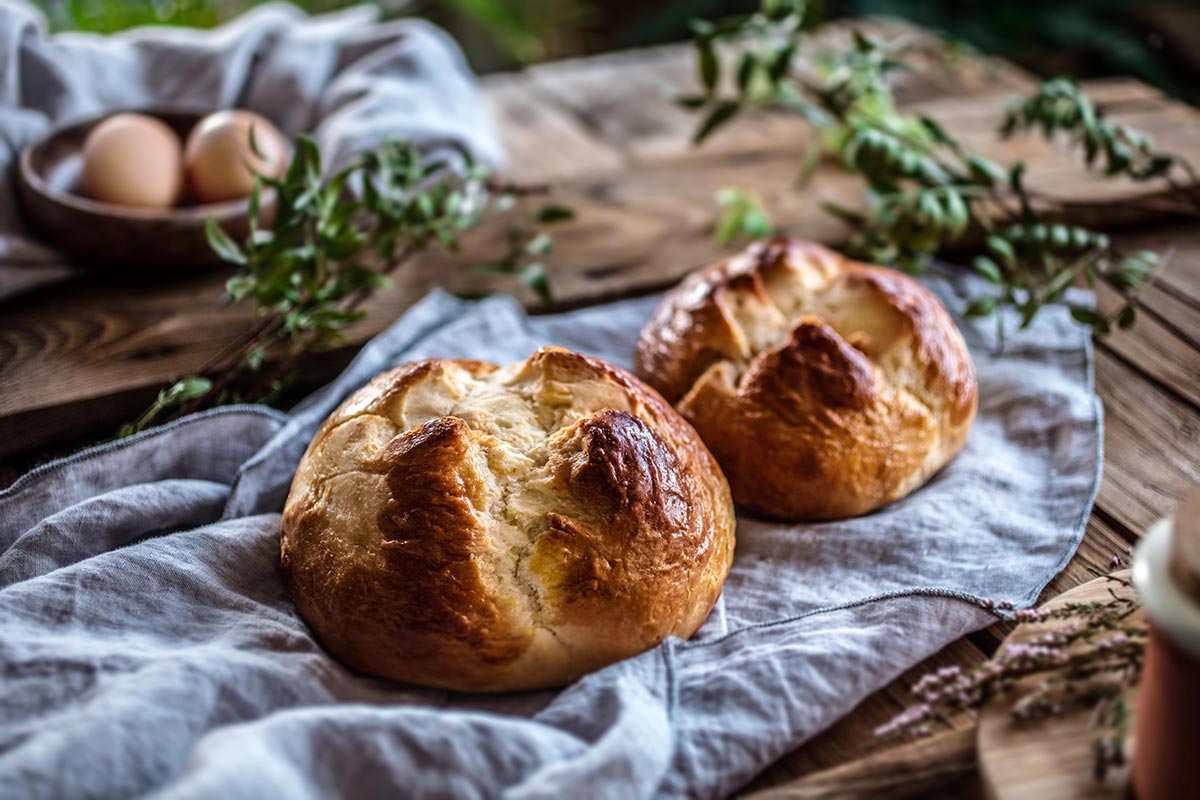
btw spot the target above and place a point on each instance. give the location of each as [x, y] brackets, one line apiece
[1089, 662]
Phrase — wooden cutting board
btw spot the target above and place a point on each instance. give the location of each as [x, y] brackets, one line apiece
[1051, 757]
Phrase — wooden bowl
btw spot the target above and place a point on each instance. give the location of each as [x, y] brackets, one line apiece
[117, 237]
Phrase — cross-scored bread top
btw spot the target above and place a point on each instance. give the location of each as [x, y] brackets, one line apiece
[461, 525]
[825, 387]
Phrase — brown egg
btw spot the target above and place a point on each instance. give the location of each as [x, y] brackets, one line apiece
[133, 160]
[218, 159]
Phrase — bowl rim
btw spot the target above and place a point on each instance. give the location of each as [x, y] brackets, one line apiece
[200, 211]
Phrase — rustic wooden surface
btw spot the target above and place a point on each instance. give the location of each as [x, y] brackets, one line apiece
[77, 360]
[1052, 757]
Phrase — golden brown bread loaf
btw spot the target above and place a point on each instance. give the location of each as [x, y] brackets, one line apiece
[460, 525]
[825, 388]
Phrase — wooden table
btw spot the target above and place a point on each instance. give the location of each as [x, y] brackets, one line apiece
[78, 359]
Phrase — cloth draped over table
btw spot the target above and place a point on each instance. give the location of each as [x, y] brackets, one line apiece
[147, 643]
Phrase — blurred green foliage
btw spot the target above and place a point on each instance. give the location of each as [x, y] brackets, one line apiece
[1151, 40]
[110, 16]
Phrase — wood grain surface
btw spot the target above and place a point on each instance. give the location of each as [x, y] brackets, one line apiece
[76, 360]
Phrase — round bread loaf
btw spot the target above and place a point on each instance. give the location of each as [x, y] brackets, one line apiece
[825, 388]
[459, 525]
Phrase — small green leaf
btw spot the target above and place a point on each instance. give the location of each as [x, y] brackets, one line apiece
[1002, 249]
[985, 171]
[1060, 237]
[981, 307]
[1016, 177]
[958, 215]
[721, 114]
[1058, 285]
[690, 101]
[225, 248]
[1092, 318]
[1119, 158]
[988, 269]
[708, 65]
[540, 245]
[1156, 167]
[935, 131]
[309, 155]
[745, 74]
[862, 42]
[534, 276]
[812, 160]
[1127, 317]
[1123, 280]
[254, 144]
[239, 287]
[549, 214]
[781, 64]
[852, 218]
[743, 216]
[183, 390]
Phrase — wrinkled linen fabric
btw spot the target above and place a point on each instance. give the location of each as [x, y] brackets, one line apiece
[148, 645]
[346, 78]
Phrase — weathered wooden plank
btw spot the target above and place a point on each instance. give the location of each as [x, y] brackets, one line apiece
[940, 767]
[1151, 443]
[543, 141]
[1173, 299]
[1153, 348]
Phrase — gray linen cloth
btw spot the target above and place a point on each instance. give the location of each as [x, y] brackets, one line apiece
[346, 78]
[148, 646]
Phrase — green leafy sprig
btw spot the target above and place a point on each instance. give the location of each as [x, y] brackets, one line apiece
[334, 240]
[1061, 105]
[743, 219]
[528, 246]
[924, 189]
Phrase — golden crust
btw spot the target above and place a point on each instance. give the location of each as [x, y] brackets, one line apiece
[460, 525]
[824, 387]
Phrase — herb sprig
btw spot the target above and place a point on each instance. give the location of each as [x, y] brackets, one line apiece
[334, 240]
[925, 189]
